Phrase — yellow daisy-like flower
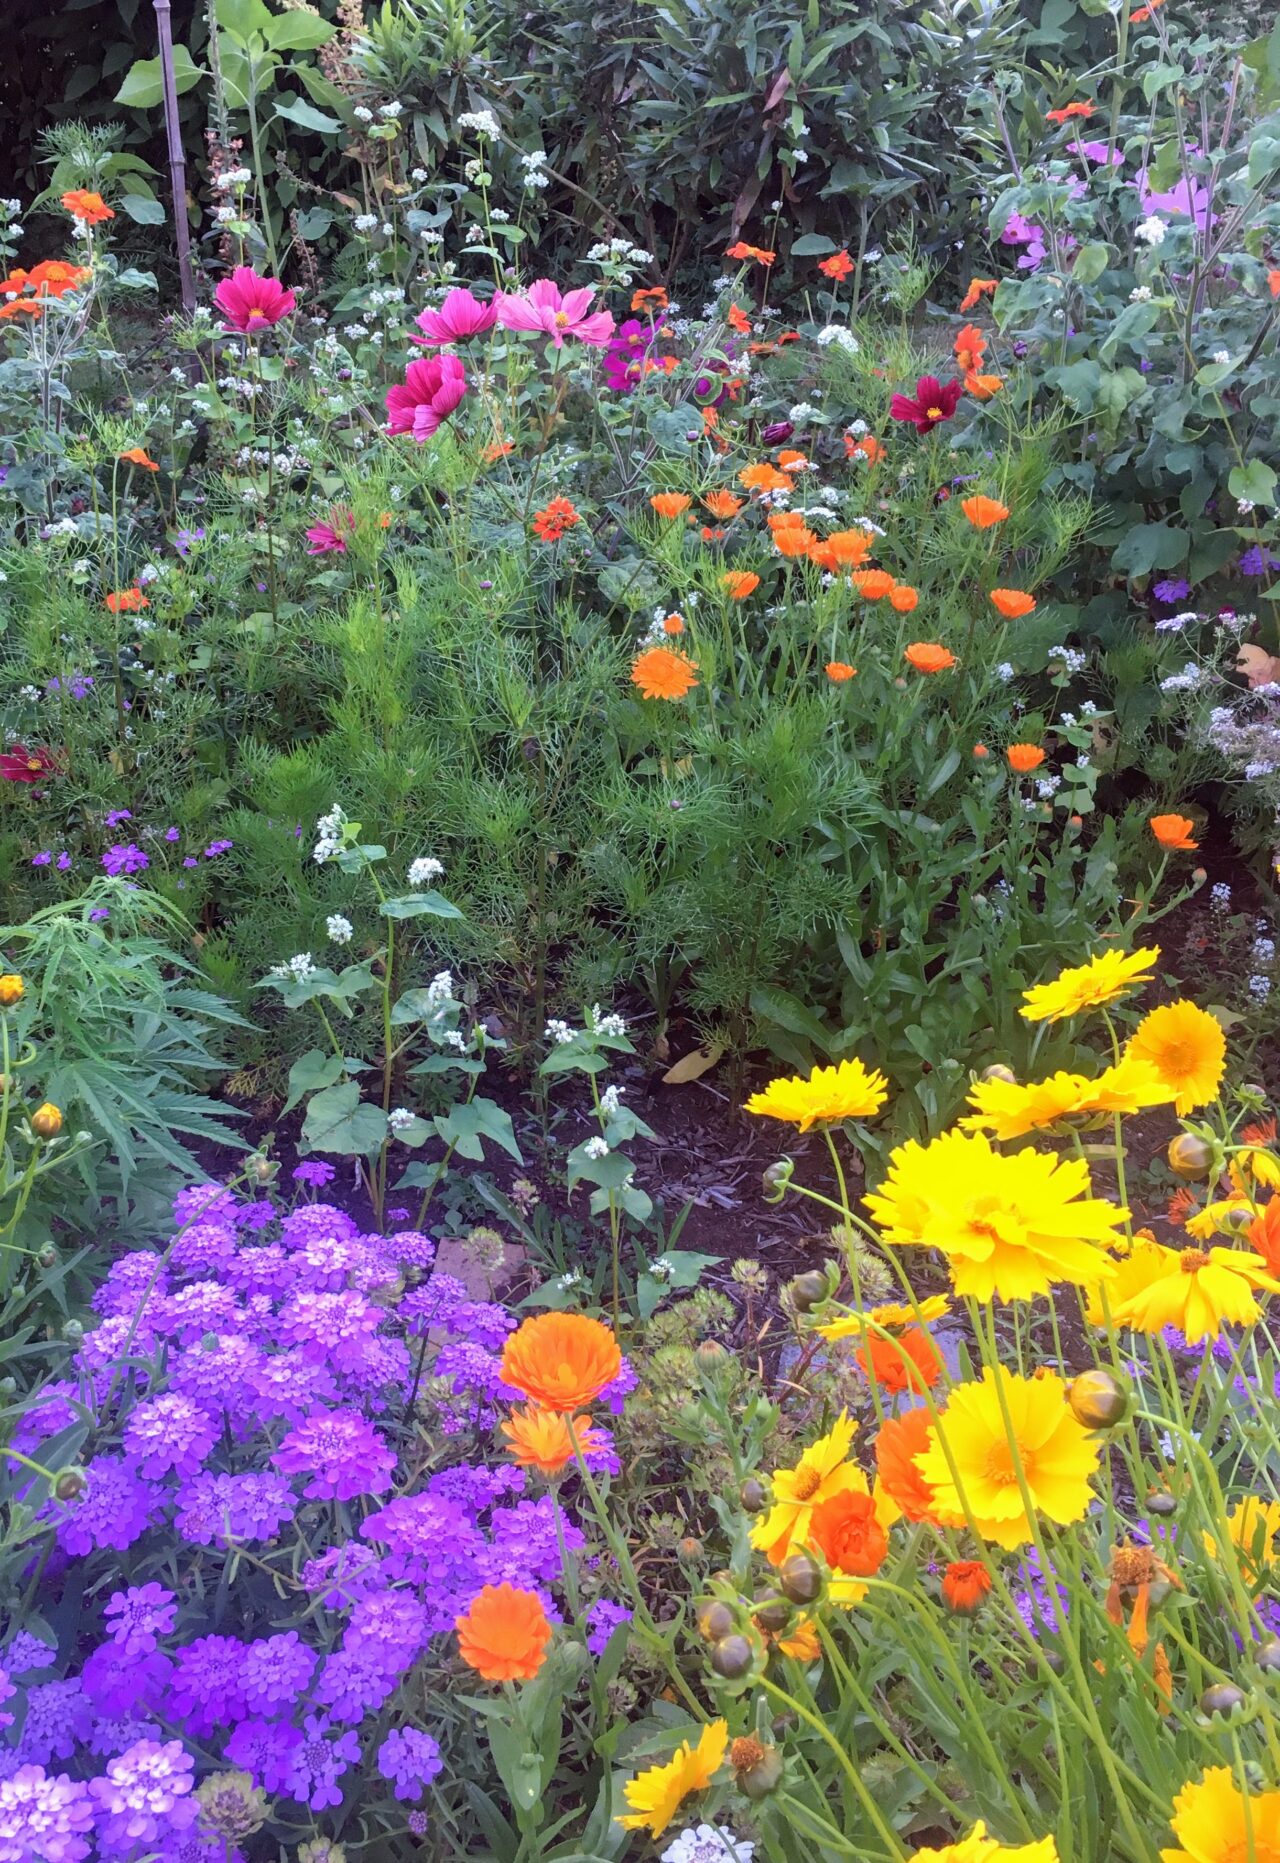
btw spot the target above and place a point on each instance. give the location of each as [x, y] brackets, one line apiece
[846, 1091]
[1187, 1048]
[1252, 1526]
[894, 1317]
[1255, 1163]
[1137, 1267]
[1008, 1109]
[1212, 1824]
[658, 1793]
[1057, 1456]
[1227, 1216]
[1088, 986]
[977, 1847]
[801, 1641]
[822, 1471]
[1199, 1291]
[1011, 1226]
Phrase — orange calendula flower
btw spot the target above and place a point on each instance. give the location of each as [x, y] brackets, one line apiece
[900, 1442]
[850, 548]
[541, 1439]
[838, 671]
[867, 448]
[1273, 283]
[928, 657]
[127, 601]
[1174, 831]
[845, 1530]
[87, 206]
[793, 539]
[651, 298]
[561, 1360]
[982, 512]
[904, 598]
[1012, 602]
[739, 583]
[764, 478]
[982, 387]
[911, 1362]
[872, 584]
[673, 624]
[1024, 758]
[969, 347]
[722, 504]
[662, 673]
[670, 504]
[496, 450]
[504, 1635]
[1065, 114]
[551, 523]
[839, 266]
[741, 250]
[138, 456]
[978, 288]
[965, 1583]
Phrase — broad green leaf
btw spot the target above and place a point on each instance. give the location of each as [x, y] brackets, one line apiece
[1150, 546]
[1255, 481]
[143, 89]
[306, 116]
[812, 246]
[144, 209]
[310, 1072]
[297, 32]
[1090, 263]
[337, 1121]
[467, 1124]
[419, 905]
[244, 17]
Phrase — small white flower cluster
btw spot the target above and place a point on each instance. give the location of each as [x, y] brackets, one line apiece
[534, 164]
[440, 988]
[391, 110]
[842, 338]
[803, 411]
[329, 835]
[660, 1268]
[425, 869]
[1151, 230]
[1005, 671]
[299, 969]
[365, 222]
[1259, 988]
[620, 249]
[1222, 357]
[1187, 680]
[483, 122]
[340, 930]
[1073, 661]
[400, 1118]
[1175, 623]
[601, 1023]
[455, 1039]
[558, 1032]
[611, 1101]
[1141, 294]
[595, 1148]
[571, 1279]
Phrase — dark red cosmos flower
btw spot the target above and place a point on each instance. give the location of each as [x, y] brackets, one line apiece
[21, 765]
[933, 402]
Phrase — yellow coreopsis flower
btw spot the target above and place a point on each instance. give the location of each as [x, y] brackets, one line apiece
[1199, 1291]
[1252, 1526]
[894, 1316]
[822, 1471]
[1105, 977]
[1008, 1109]
[1187, 1048]
[1226, 1216]
[1212, 1824]
[1011, 1225]
[656, 1794]
[1143, 1263]
[1056, 1454]
[1255, 1163]
[977, 1847]
[846, 1091]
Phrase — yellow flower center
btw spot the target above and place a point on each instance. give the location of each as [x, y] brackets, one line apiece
[999, 1465]
[807, 1483]
[934, 413]
[561, 319]
[1193, 1259]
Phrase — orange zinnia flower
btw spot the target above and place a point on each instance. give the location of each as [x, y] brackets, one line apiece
[741, 250]
[561, 1360]
[1174, 831]
[839, 670]
[978, 288]
[904, 598]
[670, 504]
[983, 512]
[839, 266]
[1144, 12]
[1273, 283]
[982, 387]
[969, 347]
[764, 478]
[793, 539]
[1012, 602]
[504, 1635]
[866, 448]
[740, 583]
[87, 206]
[1069, 110]
[722, 504]
[540, 1439]
[22, 307]
[1024, 758]
[928, 657]
[850, 547]
[738, 319]
[882, 1362]
[661, 673]
[127, 601]
[900, 1441]
[652, 297]
[555, 519]
[872, 584]
[138, 456]
[965, 1583]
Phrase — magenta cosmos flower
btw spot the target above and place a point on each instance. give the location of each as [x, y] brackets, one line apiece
[248, 302]
[461, 315]
[933, 403]
[431, 390]
[542, 307]
[322, 538]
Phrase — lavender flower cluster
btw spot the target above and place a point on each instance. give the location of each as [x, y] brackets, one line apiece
[262, 1567]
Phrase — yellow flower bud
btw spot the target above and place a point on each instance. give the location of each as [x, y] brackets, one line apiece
[12, 989]
[1189, 1156]
[46, 1121]
[1097, 1399]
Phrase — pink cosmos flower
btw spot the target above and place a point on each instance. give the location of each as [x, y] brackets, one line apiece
[322, 538]
[460, 316]
[542, 307]
[248, 301]
[431, 390]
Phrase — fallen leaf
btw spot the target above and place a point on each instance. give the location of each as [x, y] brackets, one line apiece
[694, 1065]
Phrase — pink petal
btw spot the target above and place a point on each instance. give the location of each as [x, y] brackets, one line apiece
[596, 329]
[544, 294]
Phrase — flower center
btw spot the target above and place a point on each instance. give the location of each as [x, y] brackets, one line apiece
[933, 413]
[560, 319]
[1193, 1259]
[999, 1466]
[807, 1483]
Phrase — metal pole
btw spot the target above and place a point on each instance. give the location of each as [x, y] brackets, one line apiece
[177, 163]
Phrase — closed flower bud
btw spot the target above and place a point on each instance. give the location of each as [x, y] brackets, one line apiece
[1097, 1399]
[715, 1620]
[772, 1615]
[264, 1170]
[998, 1071]
[1189, 1156]
[1221, 1698]
[733, 1657]
[709, 1355]
[69, 1484]
[800, 1578]
[48, 1256]
[12, 989]
[1161, 1503]
[753, 1496]
[778, 432]
[1267, 1655]
[689, 1549]
[46, 1120]
[807, 1289]
[775, 1178]
[757, 1768]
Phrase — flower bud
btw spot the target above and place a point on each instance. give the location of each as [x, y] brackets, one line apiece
[1267, 1655]
[709, 1355]
[778, 432]
[775, 1178]
[689, 1550]
[772, 1615]
[757, 1768]
[800, 1578]
[46, 1120]
[1097, 1399]
[48, 1256]
[715, 1620]
[753, 1496]
[263, 1169]
[733, 1657]
[12, 989]
[1189, 1156]
[1161, 1503]
[1221, 1698]
[808, 1289]
[998, 1071]
[69, 1484]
